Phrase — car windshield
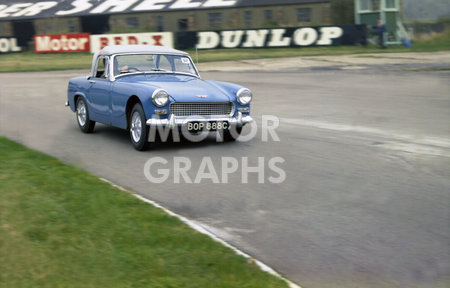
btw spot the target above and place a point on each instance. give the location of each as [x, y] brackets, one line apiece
[146, 63]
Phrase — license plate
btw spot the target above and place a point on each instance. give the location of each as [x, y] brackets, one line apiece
[208, 126]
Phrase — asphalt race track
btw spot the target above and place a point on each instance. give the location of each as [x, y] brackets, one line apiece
[366, 151]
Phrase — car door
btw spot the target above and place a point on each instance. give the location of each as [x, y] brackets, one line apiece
[99, 92]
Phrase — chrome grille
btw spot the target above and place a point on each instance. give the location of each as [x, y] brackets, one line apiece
[201, 109]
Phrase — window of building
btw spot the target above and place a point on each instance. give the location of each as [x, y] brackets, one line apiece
[304, 15]
[268, 14]
[248, 18]
[95, 24]
[365, 4]
[160, 23]
[191, 22]
[390, 4]
[70, 26]
[48, 27]
[215, 19]
[132, 22]
[375, 5]
[182, 24]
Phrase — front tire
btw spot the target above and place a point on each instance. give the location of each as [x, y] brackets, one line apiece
[232, 134]
[138, 128]
[82, 114]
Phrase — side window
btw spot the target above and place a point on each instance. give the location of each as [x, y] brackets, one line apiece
[102, 64]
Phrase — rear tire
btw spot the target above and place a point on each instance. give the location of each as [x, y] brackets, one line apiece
[82, 115]
[138, 128]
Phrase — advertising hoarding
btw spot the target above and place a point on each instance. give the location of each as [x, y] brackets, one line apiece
[154, 39]
[75, 42]
[9, 45]
[273, 37]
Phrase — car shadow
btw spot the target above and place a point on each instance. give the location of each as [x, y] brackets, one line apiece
[123, 137]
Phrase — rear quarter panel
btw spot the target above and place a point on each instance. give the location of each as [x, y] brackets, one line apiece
[77, 87]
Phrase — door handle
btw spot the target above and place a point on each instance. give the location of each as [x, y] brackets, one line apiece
[92, 81]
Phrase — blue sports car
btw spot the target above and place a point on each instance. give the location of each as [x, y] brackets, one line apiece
[153, 92]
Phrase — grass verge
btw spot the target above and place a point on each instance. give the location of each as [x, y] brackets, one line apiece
[62, 227]
[30, 61]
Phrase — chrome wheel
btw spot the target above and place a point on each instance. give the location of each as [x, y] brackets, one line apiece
[81, 113]
[136, 127]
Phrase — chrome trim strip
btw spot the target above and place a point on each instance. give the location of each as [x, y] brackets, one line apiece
[244, 109]
[174, 121]
[161, 111]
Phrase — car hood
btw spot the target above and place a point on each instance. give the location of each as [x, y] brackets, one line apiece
[186, 88]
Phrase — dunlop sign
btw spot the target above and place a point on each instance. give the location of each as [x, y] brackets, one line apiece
[279, 37]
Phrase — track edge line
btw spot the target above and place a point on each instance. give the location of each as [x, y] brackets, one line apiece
[264, 267]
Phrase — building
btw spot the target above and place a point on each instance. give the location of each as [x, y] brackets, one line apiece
[369, 11]
[35, 17]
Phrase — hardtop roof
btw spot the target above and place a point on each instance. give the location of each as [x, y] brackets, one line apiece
[119, 49]
[138, 49]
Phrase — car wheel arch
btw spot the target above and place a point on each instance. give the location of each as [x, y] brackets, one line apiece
[132, 100]
[75, 99]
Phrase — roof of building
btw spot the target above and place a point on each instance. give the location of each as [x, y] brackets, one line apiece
[66, 8]
[275, 2]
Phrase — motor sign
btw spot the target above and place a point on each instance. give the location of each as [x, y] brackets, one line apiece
[76, 42]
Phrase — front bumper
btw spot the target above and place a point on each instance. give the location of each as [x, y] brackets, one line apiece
[174, 121]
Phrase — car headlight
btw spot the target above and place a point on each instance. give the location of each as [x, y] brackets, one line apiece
[244, 96]
[160, 97]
